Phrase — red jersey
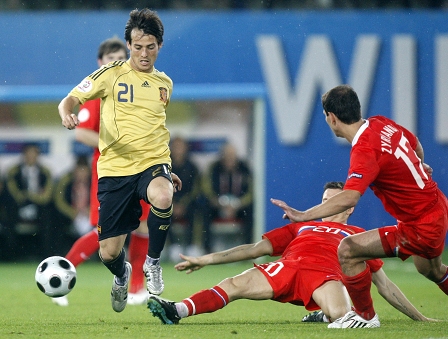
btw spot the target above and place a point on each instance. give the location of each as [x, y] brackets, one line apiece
[383, 158]
[308, 259]
[320, 238]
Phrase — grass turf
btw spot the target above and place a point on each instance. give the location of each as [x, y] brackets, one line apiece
[26, 313]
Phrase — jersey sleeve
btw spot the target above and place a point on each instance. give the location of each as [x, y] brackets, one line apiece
[363, 169]
[95, 85]
[374, 264]
[280, 239]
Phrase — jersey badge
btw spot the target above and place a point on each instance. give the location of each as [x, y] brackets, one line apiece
[163, 94]
[355, 175]
[85, 86]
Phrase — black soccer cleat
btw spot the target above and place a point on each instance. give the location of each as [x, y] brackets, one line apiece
[164, 310]
[314, 317]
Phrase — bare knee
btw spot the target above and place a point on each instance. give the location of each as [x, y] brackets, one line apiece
[108, 253]
[345, 253]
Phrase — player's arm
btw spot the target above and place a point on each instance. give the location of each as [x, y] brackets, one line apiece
[238, 253]
[393, 295]
[336, 204]
[87, 136]
[66, 108]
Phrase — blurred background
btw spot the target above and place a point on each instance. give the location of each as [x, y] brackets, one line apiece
[246, 73]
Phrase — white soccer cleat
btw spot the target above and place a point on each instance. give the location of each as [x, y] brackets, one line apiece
[119, 294]
[154, 280]
[60, 301]
[139, 298]
[354, 320]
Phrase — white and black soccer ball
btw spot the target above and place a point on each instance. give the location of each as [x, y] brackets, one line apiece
[55, 276]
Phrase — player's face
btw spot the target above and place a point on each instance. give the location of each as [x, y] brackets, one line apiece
[341, 217]
[113, 56]
[143, 51]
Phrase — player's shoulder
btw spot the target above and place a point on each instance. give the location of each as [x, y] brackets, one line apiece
[163, 77]
[110, 69]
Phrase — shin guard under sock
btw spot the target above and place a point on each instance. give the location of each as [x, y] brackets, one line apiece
[159, 221]
[358, 288]
[206, 301]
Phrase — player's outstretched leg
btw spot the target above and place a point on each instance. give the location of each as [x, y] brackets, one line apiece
[163, 309]
[354, 320]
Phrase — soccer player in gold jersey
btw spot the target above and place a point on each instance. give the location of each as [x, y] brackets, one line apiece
[135, 157]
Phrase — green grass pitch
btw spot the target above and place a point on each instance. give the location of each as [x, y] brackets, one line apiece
[26, 313]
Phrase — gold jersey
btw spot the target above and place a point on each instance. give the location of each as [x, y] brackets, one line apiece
[133, 135]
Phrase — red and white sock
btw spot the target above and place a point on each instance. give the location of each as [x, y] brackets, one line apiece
[205, 301]
[138, 247]
[83, 248]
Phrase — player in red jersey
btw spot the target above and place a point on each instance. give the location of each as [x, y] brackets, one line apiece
[87, 132]
[389, 159]
[302, 276]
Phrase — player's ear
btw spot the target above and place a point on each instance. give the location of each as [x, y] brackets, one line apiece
[332, 118]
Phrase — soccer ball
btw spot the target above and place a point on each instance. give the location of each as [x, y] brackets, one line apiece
[55, 276]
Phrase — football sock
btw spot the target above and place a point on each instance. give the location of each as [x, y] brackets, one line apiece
[116, 266]
[159, 221]
[206, 301]
[358, 288]
[83, 248]
[443, 284]
[138, 246]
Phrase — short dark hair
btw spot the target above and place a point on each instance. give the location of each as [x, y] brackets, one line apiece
[146, 20]
[111, 45]
[334, 185]
[343, 102]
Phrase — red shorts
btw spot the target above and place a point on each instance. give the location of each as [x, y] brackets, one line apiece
[295, 282]
[424, 237]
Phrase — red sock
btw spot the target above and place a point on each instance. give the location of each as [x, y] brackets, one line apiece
[138, 247]
[83, 248]
[443, 284]
[206, 301]
[358, 288]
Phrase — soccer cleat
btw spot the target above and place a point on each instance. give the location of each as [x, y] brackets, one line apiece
[138, 298]
[60, 301]
[164, 310]
[354, 320]
[119, 294]
[154, 280]
[314, 317]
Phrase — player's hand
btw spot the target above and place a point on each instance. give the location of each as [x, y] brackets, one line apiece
[190, 264]
[290, 213]
[177, 183]
[70, 121]
[428, 169]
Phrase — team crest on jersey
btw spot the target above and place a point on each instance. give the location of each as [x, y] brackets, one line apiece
[98, 227]
[85, 86]
[163, 94]
[355, 175]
